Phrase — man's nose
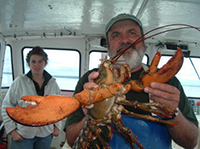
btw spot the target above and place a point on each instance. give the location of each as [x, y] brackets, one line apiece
[125, 39]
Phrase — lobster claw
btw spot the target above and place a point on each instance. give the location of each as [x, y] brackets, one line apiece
[50, 109]
[161, 75]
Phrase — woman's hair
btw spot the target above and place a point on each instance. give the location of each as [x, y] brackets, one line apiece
[37, 51]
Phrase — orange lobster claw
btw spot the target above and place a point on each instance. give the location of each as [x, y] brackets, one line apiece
[50, 109]
[165, 73]
[161, 75]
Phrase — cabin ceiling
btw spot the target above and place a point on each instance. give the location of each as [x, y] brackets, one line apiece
[89, 17]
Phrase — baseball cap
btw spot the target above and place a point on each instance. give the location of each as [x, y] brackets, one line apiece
[121, 17]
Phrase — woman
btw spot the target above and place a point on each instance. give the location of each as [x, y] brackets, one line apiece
[36, 82]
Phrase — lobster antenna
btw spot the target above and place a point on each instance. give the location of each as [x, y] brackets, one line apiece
[142, 38]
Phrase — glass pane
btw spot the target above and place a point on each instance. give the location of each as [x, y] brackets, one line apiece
[196, 62]
[96, 57]
[187, 75]
[145, 59]
[7, 68]
[64, 65]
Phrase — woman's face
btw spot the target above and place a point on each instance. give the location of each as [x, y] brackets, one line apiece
[37, 64]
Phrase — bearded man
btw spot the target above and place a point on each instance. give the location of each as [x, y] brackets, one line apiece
[121, 32]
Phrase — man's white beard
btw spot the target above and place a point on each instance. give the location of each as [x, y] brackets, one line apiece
[132, 57]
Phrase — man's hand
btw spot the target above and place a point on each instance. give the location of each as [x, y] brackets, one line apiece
[88, 85]
[91, 78]
[16, 136]
[56, 132]
[164, 93]
[86, 108]
[185, 131]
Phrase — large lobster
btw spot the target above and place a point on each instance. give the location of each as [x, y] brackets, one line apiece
[113, 85]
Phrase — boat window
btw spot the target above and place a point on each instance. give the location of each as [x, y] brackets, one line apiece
[188, 75]
[95, 58]
[63, 64]
[7, 69]
[145, 59]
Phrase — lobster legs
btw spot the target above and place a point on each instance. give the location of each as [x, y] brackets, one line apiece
[126, 132]
[90, 132]
[157, 108]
